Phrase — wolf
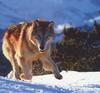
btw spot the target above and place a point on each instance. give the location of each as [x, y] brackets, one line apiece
[26, 42]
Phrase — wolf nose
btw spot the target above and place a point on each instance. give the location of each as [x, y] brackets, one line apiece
[41, 47]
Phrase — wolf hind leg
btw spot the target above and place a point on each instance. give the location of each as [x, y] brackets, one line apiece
[15, 68]
[9, 54]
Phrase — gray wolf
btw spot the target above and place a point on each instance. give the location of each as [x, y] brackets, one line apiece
[26, 42]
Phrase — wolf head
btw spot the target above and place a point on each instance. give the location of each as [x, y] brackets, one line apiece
[43, 34]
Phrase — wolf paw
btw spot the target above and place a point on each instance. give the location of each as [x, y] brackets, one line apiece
[59, 76]
[10, 75]
[13, 75]
[25, 77]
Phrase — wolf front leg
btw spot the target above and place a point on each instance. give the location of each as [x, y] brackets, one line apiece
[50, 65]
[55, 68]
[25, 68]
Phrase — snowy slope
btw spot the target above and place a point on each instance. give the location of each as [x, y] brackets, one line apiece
[75, 12]
[72, 82]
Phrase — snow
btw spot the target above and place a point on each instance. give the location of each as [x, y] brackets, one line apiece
[72, 82]
[97, 19]
[60, 27]
[73, 12]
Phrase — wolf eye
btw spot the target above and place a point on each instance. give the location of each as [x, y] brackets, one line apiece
[39, 36]
[33, 33]
[48, 37]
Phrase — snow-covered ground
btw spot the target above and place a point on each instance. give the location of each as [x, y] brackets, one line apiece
[72, 82]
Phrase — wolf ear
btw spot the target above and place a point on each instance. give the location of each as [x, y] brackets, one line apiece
[36, 23]
[51, 24]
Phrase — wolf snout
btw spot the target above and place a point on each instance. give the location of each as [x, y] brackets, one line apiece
[42, 49]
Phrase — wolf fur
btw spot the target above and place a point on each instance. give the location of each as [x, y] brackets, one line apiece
[26, 42]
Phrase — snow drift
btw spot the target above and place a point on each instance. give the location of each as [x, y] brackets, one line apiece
[72, 82]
